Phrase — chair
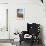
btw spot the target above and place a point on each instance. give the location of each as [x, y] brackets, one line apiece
[33, 30]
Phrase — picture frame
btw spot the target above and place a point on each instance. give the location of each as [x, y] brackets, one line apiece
[20, 12]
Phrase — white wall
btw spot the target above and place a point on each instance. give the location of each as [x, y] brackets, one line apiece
[3, 1]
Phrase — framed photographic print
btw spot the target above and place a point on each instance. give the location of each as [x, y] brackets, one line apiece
[20, 13]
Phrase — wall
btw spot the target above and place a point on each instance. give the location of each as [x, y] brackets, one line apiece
[3, 1]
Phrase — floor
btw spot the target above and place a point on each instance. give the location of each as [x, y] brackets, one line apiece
[5, 44]
[23, 44]
[26, 44]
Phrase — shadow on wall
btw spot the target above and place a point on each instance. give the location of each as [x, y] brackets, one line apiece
[41, 34]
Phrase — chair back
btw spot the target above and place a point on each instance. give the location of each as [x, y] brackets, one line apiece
[33, 28]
